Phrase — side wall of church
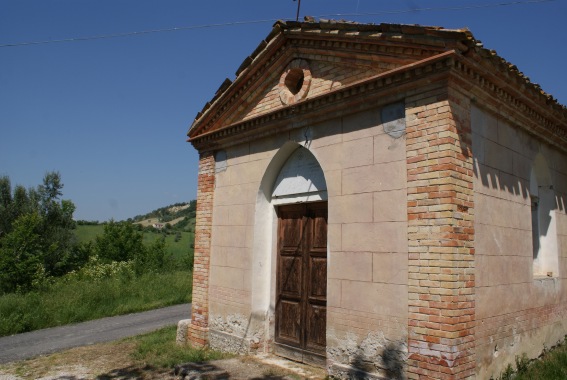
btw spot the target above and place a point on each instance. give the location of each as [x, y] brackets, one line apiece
[519, 309]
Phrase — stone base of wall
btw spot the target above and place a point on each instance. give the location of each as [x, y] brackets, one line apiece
[182, 332]
[226, 342]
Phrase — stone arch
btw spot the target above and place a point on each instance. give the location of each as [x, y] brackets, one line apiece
[544, 230]
[278, 186]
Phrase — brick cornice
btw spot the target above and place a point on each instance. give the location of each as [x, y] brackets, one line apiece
[548, 121]
[533, 110]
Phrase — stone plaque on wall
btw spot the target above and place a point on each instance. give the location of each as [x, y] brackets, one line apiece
[394, 119]
[220, 161]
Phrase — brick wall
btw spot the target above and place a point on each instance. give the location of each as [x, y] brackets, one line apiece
[326, 76]
[440, 237]
[200, 308]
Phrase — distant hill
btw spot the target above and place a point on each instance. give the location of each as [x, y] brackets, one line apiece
[180, 216]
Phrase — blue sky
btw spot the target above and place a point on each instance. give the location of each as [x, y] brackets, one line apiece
[111, 115]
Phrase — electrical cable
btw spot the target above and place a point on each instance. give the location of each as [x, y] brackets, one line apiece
[235, 23]
[440, 8]
[129, 34]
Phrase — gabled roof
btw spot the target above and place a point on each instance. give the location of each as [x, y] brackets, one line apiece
[400, 44]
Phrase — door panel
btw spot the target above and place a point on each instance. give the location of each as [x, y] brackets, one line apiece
[317, 278]
[289, 325]
[316, 327]
[301, 305]
[290, 280]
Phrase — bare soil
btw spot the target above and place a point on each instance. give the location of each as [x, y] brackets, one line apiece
[114, 361]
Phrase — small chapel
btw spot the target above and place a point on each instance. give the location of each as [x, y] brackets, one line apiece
[385, 201]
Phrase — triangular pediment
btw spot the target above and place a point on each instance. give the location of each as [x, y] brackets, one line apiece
[299, 61]
[329, 57]
[316, 77]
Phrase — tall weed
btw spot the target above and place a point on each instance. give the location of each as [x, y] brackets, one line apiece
[76, 299]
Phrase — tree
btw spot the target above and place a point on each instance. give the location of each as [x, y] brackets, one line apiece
[35, 231]
[120, 241]
[21, 254]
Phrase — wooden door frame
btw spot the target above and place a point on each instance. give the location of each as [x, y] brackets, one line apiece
[303, 352]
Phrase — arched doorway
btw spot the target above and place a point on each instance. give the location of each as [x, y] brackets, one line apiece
[300, 200]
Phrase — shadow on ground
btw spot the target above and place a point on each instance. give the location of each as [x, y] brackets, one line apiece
[131, 372]
[187, 371]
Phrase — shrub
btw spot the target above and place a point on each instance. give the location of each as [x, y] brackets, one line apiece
[96, 271]
[119, 242]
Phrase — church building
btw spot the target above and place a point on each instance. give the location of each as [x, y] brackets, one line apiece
[386, 201]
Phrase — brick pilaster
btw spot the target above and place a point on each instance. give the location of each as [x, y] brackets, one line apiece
[199, 328]
[440, 237]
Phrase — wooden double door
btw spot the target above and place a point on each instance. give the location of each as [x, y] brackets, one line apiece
[301, 289]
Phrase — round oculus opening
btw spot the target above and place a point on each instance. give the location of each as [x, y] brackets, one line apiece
[294, 80]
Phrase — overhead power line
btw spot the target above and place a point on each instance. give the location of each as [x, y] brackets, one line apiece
[466, 7]
[236, 23]
[130, 34]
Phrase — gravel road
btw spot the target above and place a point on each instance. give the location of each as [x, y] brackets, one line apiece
[46, 341]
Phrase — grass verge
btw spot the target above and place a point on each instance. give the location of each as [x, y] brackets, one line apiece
[552, 365]
[77, 301]
[159, 350]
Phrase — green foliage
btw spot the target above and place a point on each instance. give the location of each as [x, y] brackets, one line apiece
[36, 238]
[551, 366]
[96, 271]
[82, 222]
[158, 349]
[508, 373]
[522, 363]
[120, 241]
[72, 300]
[21, 254]
[154, 258]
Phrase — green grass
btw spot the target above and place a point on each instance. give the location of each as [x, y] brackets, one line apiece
[86, 233]
[158, 349]
[178, 249]
[553, 366]
[63, 303]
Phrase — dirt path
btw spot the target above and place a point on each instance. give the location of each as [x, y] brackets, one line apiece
[113, 360]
